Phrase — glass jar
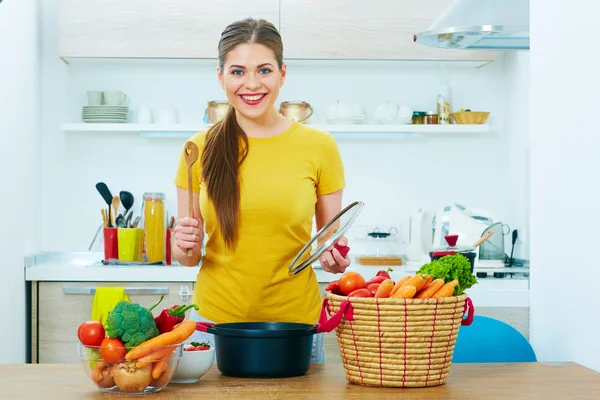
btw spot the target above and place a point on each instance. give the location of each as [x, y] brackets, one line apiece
[379, 246]
[418, 117]
[154, 227]
[431, 118]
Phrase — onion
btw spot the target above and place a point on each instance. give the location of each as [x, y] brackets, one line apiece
[101, 374]
[129, 378]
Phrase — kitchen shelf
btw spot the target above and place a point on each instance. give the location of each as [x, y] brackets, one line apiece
[358, 131]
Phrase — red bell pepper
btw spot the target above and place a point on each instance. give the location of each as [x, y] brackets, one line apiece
[384, 273]
[169, 317]
[334, 287]
[364, 292]
[376, 279]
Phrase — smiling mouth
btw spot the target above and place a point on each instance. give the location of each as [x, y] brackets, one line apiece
[253, 99]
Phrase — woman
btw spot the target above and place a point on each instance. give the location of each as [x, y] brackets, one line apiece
[260, 180]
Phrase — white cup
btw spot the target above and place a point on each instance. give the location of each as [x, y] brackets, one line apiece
[114, 98]
[144, 115]
[166, 116]
[95, 97]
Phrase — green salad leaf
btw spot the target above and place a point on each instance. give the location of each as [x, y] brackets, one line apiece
[451, 267]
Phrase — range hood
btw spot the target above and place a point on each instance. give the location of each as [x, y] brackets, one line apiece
[480, 25]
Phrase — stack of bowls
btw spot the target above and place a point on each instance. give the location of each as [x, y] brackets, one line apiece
[105, 114]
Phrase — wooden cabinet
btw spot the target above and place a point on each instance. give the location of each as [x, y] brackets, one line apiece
[152, 29]
[358, 29]
[59, 308]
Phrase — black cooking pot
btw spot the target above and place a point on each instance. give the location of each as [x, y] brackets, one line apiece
[263, 349]
[269, 349]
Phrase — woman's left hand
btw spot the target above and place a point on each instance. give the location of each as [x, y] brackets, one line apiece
[332, 261]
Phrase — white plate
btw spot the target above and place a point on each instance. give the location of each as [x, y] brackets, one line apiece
[104, 115]
[103, 107]
[105, 121]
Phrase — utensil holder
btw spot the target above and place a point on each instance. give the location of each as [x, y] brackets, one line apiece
[111, 244]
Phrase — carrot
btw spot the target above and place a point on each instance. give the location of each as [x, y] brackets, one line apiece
[399, 284]
[428, 280]
[160, 354]
[162, 380]
[179, 333]
[158, 368]
[405, 292]
[431, 289]
[418, 281]
[446, 290]
[384, 289]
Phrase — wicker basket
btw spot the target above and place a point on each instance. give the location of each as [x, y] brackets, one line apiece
[396, 342]
[470, 117]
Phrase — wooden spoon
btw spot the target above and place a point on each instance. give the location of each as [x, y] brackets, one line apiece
[116, 202]
[483, 238]
[191, 156]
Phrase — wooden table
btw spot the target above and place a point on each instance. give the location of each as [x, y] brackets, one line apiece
[466, 382]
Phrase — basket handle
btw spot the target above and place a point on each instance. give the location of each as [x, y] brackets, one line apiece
[327, 325]
[470, 310]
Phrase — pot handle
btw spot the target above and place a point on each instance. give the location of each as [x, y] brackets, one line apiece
[470, 310]
[205, 327]
[309, 115]
[327, 325]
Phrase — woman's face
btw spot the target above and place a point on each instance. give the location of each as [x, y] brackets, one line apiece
[251, 79]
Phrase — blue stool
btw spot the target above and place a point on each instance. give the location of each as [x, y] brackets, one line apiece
[488, 340]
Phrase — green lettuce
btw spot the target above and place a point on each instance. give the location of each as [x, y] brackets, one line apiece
[451, 267]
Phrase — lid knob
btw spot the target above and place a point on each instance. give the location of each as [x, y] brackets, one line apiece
[451, 240]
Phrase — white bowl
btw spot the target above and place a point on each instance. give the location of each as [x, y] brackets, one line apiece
[193, 365]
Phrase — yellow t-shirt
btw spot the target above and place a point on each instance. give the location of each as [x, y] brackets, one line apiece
[279, 183]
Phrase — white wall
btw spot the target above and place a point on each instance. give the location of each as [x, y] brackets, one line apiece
[516, 76]
[393, 177]
[19, 165]
[565, 139]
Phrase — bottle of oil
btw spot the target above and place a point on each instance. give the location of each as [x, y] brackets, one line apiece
[444, 105]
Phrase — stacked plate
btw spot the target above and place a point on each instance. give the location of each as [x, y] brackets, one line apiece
[105, 114]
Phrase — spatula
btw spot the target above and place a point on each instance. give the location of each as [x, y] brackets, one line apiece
[115, 205]
[108, 198]
[191, 156]
[126, 200]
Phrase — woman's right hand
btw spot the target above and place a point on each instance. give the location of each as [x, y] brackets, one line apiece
[188, 234]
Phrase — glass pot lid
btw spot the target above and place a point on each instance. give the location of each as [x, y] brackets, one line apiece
[452, 247]
[325, 238]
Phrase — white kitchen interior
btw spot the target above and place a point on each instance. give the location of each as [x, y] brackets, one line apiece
[394, 173]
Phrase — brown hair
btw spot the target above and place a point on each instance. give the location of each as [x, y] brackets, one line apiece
[226, 144]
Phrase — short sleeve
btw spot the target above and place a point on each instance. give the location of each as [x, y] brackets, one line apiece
[181, 176]
[331, 170]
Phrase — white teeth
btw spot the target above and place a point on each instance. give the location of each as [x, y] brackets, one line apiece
[253, 98]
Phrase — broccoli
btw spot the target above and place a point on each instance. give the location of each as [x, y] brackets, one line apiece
[451, 267]
[131, 323]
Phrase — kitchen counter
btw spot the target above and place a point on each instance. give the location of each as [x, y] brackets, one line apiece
[87, 267]
[466, 381]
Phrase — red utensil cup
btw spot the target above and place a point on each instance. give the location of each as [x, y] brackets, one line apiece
[111, 244]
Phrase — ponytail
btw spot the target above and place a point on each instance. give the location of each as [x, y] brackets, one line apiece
[222, 156]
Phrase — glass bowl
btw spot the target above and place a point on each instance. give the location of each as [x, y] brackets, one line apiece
[130, 377]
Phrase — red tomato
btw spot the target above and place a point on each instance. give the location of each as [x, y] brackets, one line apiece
[113, 350]
[363, 292]
[91, 333]
[350, 281]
